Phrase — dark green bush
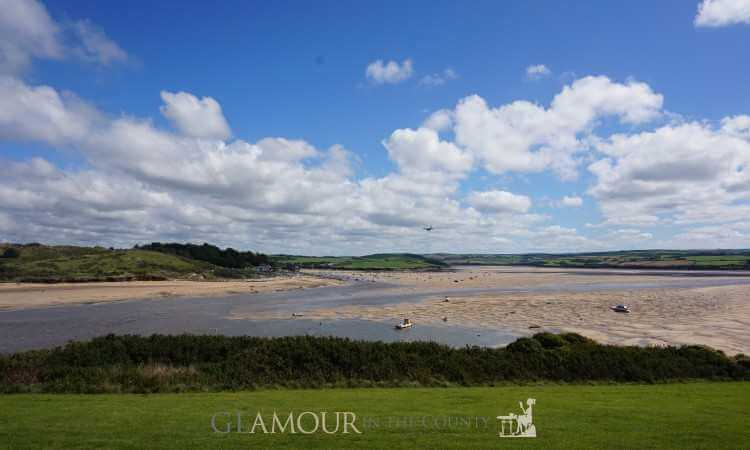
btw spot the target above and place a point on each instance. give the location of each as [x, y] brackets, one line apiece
[549, 340]
[743, 360]
[11, 252]
[525, 345]
[577, 339]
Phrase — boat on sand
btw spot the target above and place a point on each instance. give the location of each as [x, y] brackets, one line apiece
[405, 324]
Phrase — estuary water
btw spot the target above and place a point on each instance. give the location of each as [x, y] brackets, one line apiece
[47, 327]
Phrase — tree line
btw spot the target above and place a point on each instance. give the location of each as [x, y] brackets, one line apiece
[210, 253]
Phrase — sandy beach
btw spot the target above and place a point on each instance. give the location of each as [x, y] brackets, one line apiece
[31, 295]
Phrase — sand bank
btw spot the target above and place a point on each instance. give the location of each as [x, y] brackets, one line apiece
[716, 316]
[32, 295]
[478, 277]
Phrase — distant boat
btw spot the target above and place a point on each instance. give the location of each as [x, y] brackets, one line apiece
[428, 228]
[620, 308]
[298, 315]
[405, 324]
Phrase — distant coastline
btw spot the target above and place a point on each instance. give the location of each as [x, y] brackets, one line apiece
[38, 263]
[628, 259]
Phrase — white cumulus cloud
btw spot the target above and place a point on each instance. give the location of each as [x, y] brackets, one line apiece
[94, 46]
[422, 150]
[391, 72]
[27, 32]
[683, 173]
[439, 78]
[440, 120]
[41, 113]
[194, 117]
[537, 71]
[499, 202]
[718, 13]
[525, 137]
[572, 201]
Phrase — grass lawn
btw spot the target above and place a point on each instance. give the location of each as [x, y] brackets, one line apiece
[684, 416]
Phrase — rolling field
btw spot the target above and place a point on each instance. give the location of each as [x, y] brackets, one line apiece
[635, 259]
[663, 416]
[396, 261]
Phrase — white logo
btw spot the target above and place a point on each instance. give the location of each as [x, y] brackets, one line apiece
[315, 422]
[519, 425]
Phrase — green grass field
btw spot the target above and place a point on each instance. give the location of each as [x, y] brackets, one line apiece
[662, 416]
[396, 261]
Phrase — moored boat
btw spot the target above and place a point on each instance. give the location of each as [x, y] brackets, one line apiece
[405, 324]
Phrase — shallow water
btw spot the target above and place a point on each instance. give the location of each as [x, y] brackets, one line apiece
[47, 327]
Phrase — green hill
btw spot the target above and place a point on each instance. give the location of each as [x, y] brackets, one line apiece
[43, 263]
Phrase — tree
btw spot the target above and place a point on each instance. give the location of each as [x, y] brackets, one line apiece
[230, 257]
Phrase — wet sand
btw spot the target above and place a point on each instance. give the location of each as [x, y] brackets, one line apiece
[662, 312]
[32, 295]
[714, 316]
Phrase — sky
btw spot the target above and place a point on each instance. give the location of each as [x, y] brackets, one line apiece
[346, 128]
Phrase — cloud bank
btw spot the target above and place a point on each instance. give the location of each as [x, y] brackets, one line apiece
[143, 182]
[193, 180]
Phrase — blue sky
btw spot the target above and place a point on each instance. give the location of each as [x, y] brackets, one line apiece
[668, 78]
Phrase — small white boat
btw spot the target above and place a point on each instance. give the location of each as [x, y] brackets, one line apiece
[298, 315]
[405, 324]
[620, 308]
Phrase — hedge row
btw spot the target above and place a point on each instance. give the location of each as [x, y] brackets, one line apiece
[161, 363]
